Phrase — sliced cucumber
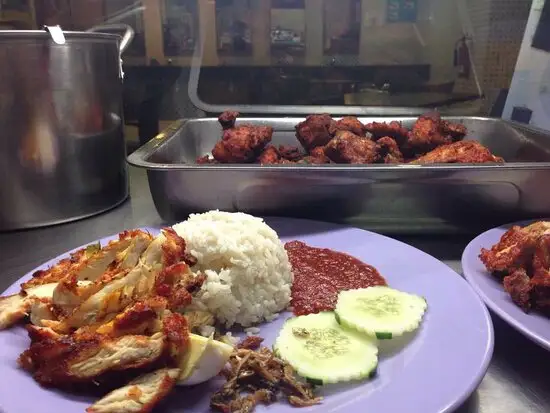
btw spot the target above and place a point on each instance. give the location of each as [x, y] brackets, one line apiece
[322, 351]
[380, 311]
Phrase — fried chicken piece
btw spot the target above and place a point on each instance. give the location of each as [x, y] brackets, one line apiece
[227, 119]
[518, 285]
[515, 248]
[427, 134]
[394, 130]
[269, 156]
[290, 153]
[540, 281]
[388, 150]
[349, 148]
[242, 144]
[314, 131]
[456, 131]
[316, 157]
[348, 123]
[140, 395]
[459, 152]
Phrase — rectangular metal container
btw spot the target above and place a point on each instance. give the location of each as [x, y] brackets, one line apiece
[406, 199]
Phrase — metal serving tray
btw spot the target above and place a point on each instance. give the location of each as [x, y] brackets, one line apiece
[451, 198]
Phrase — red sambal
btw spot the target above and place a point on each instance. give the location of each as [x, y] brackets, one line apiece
[320, 274]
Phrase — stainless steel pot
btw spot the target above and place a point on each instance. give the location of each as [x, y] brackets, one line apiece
[62, 150]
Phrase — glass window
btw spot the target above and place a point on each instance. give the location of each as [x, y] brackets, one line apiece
[288, 27]
[234, 27]
[341, 27]
[180, 29]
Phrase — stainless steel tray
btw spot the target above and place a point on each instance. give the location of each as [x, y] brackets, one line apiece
[385, 198]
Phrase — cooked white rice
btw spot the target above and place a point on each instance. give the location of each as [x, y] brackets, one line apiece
[247, 268]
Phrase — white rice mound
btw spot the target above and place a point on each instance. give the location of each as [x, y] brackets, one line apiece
[248, 272]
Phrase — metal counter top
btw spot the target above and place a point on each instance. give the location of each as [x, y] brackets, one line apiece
[517, 379]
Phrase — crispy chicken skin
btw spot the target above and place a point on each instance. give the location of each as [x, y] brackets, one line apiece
[388, 150]
[459, 152]
[347, 147]
[227, 119]
[316, 157]
[392, 129]
[349, 123]
[518, 285]
[242, 144]
[140, 395]
[314, 131]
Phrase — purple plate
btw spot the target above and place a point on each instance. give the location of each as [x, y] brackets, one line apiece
[434, 370]
[535, 326]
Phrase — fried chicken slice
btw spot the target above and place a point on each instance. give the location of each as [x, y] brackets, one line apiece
[116, 256]
[515, 248]
[140, 395]
[115, 294]
[349, 148]
[144, 317]
[227, 119]
[348, 123]
[59, 270]
[388, 150]
[61, 360]
[393, 129]
[13, 308]
[242, 144]
[459, 152]
[314, 131]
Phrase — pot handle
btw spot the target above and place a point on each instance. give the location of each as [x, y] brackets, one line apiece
[126, 38]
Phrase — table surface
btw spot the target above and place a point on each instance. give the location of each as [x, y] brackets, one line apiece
[517, 379]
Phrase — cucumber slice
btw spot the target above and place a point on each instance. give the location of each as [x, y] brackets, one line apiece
[322, 351]
[380, 311]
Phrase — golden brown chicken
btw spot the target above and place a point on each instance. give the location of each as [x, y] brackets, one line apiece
[347, 147]
[314, 131]
[227, 119]
[242, 144]
[459, 152]
[522, 258]
[393, 129]
[388, 150]
[348, 123]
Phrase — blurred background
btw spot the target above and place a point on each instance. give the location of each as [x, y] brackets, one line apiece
[460, 56]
